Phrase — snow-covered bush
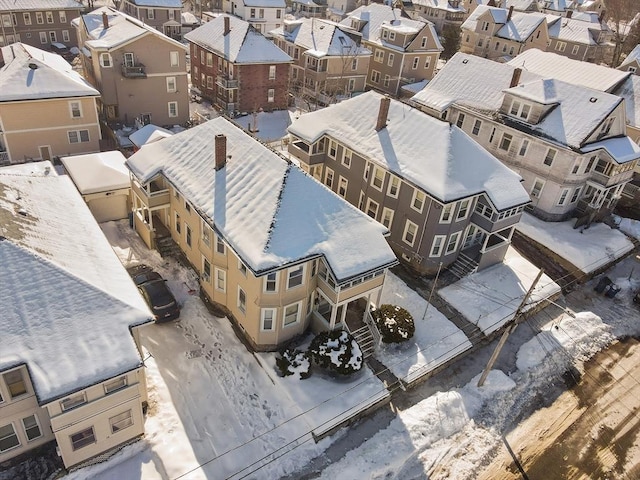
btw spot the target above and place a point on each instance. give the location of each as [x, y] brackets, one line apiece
[293, 361]
[394, 323]
[336, 351]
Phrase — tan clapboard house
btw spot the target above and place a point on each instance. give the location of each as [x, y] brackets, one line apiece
[47, 110]
[405, 51]
[70, 363]
[140, 72]
[270, 244]
[446, 201]
[38, 23]
[163, 15]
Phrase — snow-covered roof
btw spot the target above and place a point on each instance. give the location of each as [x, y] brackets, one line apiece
[621, 149]
[414, 87]
[122, 29]
[518, 28]
[630, 91]
[19, 5]
[143, 135]
[322, 37]
[188, 18]
[634, 56]
[521, 5]
[157, 3]
[439, 165]
[269, 211]
[573, 30]
[31, 73]
[265, 3]
[443, 5]
[243, 43]
[578, 111]
[375, 16]
[97, 172]
[552, 65]
[68, 304]
[480, 84]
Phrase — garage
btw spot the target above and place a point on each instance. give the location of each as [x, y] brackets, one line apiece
[103, 181]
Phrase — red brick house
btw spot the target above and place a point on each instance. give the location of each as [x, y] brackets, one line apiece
[237, 68]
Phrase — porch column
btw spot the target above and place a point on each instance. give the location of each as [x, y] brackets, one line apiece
[150, 218]
[343, 315]
[366, 309]
[484, 243]
[511, 233]
[332, 321]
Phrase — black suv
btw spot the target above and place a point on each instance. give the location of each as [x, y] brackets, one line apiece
[154, 290]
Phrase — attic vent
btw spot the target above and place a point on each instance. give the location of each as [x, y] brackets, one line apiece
[465, 61]
[33, 66]
[593, 99]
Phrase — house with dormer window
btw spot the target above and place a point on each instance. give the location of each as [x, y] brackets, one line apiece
[585, 37]
[568, 142]
[501, 34]
[71, 369]
[439, 12]
[405, 51]
[270, 244]
[446, 201]
[330, 61]
[163, 15]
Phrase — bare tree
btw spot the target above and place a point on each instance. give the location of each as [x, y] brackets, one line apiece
[618, 15]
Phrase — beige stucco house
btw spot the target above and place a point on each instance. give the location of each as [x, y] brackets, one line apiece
[330, 61]
[140, 72]
[70, 363]
[46, 109]
[501, 34]
[405, 51]
[568, 142]
[446, 201]
[270, 244]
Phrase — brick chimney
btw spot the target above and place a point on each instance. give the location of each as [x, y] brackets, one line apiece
[515, 79]
[383, 113]
[510, 13]
[569, 13]
[227, 27]
[105, 20]
[220, 150]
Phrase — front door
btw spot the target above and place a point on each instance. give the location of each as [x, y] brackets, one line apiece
[45, 152]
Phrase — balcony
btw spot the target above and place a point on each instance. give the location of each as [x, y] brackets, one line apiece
[134, 71]
[605, 180]
[154, 194]
[225, 82]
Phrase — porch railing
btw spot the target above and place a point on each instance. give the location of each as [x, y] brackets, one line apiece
[375, 333]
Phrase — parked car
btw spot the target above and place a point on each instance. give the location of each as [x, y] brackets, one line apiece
[155, 292]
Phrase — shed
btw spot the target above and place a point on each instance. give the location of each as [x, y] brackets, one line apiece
[103, 181]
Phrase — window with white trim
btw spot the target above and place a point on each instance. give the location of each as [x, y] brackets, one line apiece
[73, 401]
[271, 95]
[536, 190]
[187, 235]
[393, 187]
[328, 177]
[39, 18]
[477, 124]
[452, 244]
[63, 16]
[65, 36]
[346, 157]
[390, 59]
[427, 63]
[291, 314]
[272, 72]
[26, 17]
[520, 109]
[561, 46]
[178, 223]
[121, 421]
[333, 149]
[416, 62]
[82, 438]
[151, 14]
[505, 142]
[576, 195]
[375, 76]
[460, 120]
[378, 178]
[31, 427]
[78, 136]
[463, 211]
[372, 208]
[242, 268]
[409, 234]
[15, 383]
[220, 247]
[295, 276]
[271, 282]
[174, 59]
[171, 85]
[575, 50]
[172, 109]
[105, 60]
[221, 279]
[417, 202]
[49, 16]
[436, 246]
[8, 438]
[342, 186]
[387, 217]
[267, 319]
[206, 270]
[387, 81]
[550, 156]
[523, 147]
[242, 300]
[563, 196]
[378, 56]
[115, 384]
[447, 210]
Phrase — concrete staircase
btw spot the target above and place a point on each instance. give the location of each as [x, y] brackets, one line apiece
[167, 247]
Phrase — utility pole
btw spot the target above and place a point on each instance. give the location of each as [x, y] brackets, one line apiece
[510, 329]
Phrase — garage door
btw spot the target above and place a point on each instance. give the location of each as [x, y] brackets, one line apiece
[109, 208]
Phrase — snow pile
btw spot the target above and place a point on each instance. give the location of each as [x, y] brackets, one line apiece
[580, 337]
[435, 341]
[489, 298]
[267, 126]
[395, 451]
[588, 249]
[630, 226]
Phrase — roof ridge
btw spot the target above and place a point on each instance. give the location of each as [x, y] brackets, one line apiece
[274, 220]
